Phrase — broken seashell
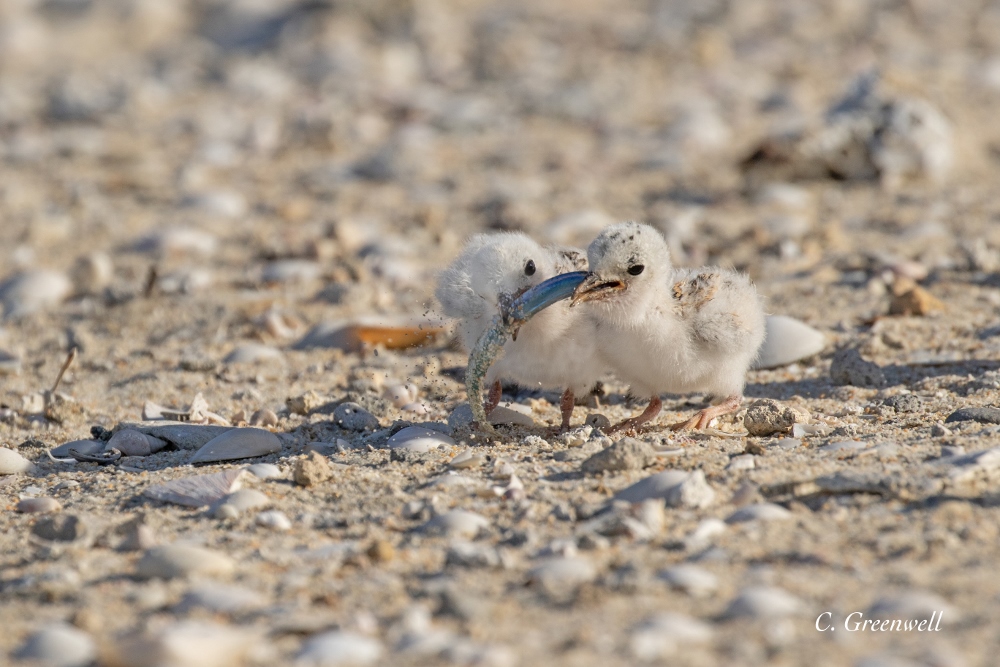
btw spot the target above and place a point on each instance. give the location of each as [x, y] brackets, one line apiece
[198, 490]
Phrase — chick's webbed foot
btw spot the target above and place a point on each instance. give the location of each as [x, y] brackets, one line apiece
[633, 424]
[703, 418]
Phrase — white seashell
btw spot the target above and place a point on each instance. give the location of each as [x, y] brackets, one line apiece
[399, 395]
[332, 649]
[759, 512]
[765, 602]
[788, 340]
[38, 505]
[419, 439]
[240, 501]
[275, 520]
[467, 459]
[254, 353]
[12, 463]
[742, 462]
[238, 443]
[171, 561]
[33, 291]
[59, 645]
[677, 488]
[457, 523]
[264, 470]
[199, 490]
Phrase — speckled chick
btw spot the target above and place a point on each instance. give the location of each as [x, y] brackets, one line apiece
[667, 330]
[557, 349]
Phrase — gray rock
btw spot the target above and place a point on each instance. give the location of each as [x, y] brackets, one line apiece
[759, 512]
[176, 560]
[626, 454]
[12, 463]
[419, 439]
[849, 368]
[38, 505]
[457, 523]
[903, 403]
[677, 488]
[764, 602]
[332, 649]
[59, 645]
[788, 340]
[981, 415]
[238, 443]
[197, 490]
[178, 434]
[353, 417]
[767, 417]
[82, 446]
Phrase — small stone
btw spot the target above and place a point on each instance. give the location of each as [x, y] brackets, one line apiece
[241, 501]
[400, 395]
[238, 443]
[677, 488]
[176, 560]
[693, 580]
[887, 451]
[381, 551]
[353, 417]
[849, 368]
[137, 535]
[767, 417]
[38, 505]
[597, 421]
[12, 463]
[788, 340]
[59, 645]
[982, 415]
[304, 404]
[274, 519]
[788, 443]
[254, 353]
[457, 523]
[92, 273]
[741, 462]
[311, 469]
[419, 439]
[467, 554]
[703, 534]
[196, 643]
[626, 454]
[264, 417]
[916, 605]
[911, 299]
[764, 602]
[332, 649]
[940, 430]
[264, 470]
[759, 512]
[63, 528]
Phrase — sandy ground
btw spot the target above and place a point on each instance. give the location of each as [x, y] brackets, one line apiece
[333, 157]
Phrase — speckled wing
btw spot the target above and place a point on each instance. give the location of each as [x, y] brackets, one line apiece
[718, 307]
[568, 259]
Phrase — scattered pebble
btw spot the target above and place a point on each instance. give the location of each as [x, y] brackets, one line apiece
[195, 643]
[273, 519]
[38, 505]
[658, 637]
[254, 353]
[467, 459]
[788, 443]
[353, 417]
[176, 560]
[512, 414]
[764, 602]
[62, 528]
[419, 439]
[457, 523]
[677, 488]
[12, 463]
[290, 271]
[239, 502]
[562, 575]
[92, 273]
[238, 443]
[472, 555]
[767, 417]
[220, 598]
[264, 417]
[759, 512]
[903, 403]
[197, 490]
[693, 580]
[33, 291]
[849, 368]
[788, 340]
[844, 446]
[59, 645]
[264, 470]
[177, 241]
[303, 404]
[741, 462]
[332, 649]
[626, 454]
[982, 415]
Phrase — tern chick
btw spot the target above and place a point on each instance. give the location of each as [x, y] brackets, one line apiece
[555, 349]
[667, 330]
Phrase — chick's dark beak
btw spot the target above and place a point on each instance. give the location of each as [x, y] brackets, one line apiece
[596, 288]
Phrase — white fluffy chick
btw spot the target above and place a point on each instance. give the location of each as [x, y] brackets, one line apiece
[667, 330]
[557, 349]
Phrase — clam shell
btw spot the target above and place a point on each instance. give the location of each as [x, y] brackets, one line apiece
[12, 463]
[199, 490]
[238, 443]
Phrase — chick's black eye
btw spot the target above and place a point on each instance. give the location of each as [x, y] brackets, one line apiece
[529, 268]
[635, 269]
